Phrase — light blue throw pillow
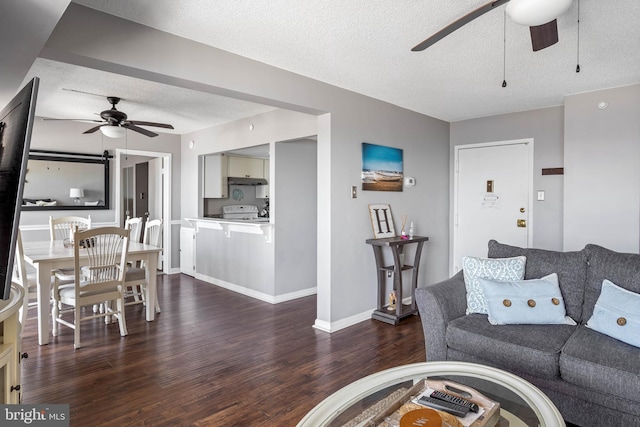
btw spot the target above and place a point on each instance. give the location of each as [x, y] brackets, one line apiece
[488, 268]
[617, 314]
[531, 302]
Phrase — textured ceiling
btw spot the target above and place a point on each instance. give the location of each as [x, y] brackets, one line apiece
[75, 92]
[365, 46]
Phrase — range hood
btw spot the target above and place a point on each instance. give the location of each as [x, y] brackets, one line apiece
[234, 180]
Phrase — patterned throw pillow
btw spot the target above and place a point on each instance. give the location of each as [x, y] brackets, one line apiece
[488, 268]
[617, 314]
[525, 302]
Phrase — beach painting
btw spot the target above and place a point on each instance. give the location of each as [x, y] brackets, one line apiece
[381, 168]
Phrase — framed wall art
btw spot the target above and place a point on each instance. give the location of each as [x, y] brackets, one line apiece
[381, 221]
[382, 168]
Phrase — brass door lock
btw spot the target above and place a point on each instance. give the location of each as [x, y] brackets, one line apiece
[522, 223]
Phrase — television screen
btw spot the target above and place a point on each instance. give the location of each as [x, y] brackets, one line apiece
[16, 123]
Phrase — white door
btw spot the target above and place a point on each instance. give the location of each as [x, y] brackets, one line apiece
[156, 192]
[492, 197]
[155, 188]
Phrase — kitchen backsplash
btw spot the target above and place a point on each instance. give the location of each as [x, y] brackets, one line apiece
[238, 195]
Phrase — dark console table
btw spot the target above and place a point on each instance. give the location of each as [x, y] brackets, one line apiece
[383, 313]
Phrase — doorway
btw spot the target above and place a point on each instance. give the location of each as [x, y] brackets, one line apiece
[493, 186]
[155, 195]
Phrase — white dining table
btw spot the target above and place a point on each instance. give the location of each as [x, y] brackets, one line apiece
[48, 255]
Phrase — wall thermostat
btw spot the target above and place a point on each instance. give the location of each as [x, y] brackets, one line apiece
[409, 181]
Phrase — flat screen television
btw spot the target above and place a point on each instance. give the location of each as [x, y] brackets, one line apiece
[16, 123]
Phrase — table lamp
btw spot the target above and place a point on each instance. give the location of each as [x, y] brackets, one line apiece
[76, 194]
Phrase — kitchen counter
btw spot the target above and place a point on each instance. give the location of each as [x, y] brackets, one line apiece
[253, 226]
[238, 255]
[243, 221]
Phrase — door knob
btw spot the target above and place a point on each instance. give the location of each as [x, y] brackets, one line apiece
[522, 223]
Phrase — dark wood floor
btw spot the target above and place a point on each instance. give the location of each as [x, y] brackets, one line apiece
[211, 358]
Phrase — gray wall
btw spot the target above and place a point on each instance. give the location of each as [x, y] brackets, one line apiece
[346, 271]
[546, 127]
[294, 211]
[602, 173]
[67, 136]
[598, 198]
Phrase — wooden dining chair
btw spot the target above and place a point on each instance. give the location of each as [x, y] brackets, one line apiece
[26, 279]
[135, 277]
[135, 225]
[98, 278]
[61, 228]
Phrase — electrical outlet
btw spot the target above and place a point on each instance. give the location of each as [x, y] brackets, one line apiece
[354, 192]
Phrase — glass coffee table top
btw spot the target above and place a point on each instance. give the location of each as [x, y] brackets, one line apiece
[521, 403]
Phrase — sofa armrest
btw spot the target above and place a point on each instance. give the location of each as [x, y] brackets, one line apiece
[438, 304]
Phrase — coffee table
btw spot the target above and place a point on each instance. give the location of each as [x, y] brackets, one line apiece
[521, 403]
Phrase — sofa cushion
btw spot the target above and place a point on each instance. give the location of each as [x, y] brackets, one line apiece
[620, 268]
[617, 314]
[571, 268]
[534, 349]
[525, 302]
[598, 362]
[497, 269]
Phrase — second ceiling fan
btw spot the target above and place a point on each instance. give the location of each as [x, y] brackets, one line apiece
[539, 15]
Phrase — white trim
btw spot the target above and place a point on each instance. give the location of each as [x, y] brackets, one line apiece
[295, 295]
[323, 413]
[166, 205]
[529, 142]
[342, 323]
[271, 299]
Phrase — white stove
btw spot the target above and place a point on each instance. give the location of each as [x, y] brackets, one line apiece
[240, 212]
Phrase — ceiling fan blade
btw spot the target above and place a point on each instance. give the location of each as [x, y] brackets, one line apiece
[544, 35]
[135, 128]
[458, 23]
[76, 120]
[93, 129]
[158, 125]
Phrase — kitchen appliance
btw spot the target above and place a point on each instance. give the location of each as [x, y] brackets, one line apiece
[264, 213]
[240, 212]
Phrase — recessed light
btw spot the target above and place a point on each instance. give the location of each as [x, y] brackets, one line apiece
[603, 104]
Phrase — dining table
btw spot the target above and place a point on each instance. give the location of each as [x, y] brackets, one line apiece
[48, 255]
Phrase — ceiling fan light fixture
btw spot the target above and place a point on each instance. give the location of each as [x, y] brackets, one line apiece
[536, 12]
[112, 131]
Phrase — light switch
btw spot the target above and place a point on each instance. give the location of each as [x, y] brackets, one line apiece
[354, 192]
[540, 195]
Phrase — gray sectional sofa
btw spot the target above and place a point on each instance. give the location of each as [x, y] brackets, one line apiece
[593, 379]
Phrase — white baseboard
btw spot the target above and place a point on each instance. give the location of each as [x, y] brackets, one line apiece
[342, 323]
[271, 299]
[349, 321]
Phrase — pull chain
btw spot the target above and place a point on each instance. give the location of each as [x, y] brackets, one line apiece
[504, 50]
[578, 45]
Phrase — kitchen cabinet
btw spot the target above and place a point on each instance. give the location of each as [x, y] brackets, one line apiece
[262, 191]
[246, 167]
[215, 173]
[187, 251]
[10, 347]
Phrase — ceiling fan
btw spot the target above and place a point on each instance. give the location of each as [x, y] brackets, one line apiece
[539, 15]
[114, 122]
